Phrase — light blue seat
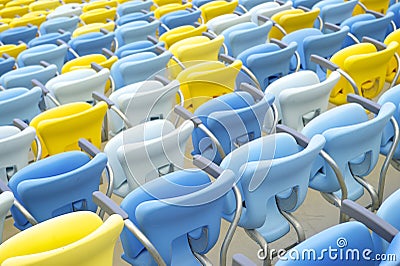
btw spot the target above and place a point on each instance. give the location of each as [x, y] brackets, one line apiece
[268, 62]
[61, 23]
[305, 3]
[133, 6]
[50, 38]
[334, 11]
[249, 4]
[273, 173]
[56, 185]
[143, 65]
[6, 65]
[22, 77]
[393, 96]
[179, 18]
[234, 119]
[19, 103]
[137, 47]
[353, 141]
[367, 25]
[15, 35]
[50, 53]
[132, 17]
[136, 31]
[243, 36]
[90, 43]
[395, 9]
[313, 41]
[180, 213]
[199, 3]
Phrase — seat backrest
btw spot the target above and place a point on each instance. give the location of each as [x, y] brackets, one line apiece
[245, 35]
[91, 43]
[335, 11]
[84, 62]
[172, 36]
[6, 65]
[78, 85]
[216, 8]
[179, 18]
[69, 123]
[66, 10]
[50, 38]
[132, 7]
[93, 27]
[49, 187]
[354, 153]
[14, 35]
[158, 206]
[6, 201]
[19, 103]
[221, 23]
[265, 169]
[50, 53]
[22, 77]
[268, 10]
[16, 145]
[99, 15]
[392, 96]
[53, 25]
[234, 118]
[164, 154]
[80, 238]
[135, 31]
[144, 65]
[300, 105]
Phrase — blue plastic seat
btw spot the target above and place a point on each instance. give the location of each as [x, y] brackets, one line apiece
[143, 65]
[243, 36]
[57, 185]
[335, 11]
[51, 53]
[273, 174]
[355, 153]
[234, 119]
[180, 213]
[395, 9]
[22, 77]
[249, 4]
[179, 18]
[305, 3]
[90, 43]
[313, 41]
[268, 61]
[15, 35]
[50, 38]
[135, 31]
[6, 65]
[367, 25]
[19, 103]
[61, 23]
[132, 17]
[137, 47]
[133, 6]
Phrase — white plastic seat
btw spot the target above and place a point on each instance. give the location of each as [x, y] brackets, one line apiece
[67, 10]
[220, 23]
[76, 86]
[15, 147]
[301, 96]
[6, 201]
[146, 151]
[142, 101]
[268, 10]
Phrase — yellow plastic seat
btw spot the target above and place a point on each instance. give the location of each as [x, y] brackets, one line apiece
[79, 238]
[392, 65]
[159, 3]
[12, 49]
[207, 80]
[198, 48]
[94, 27]
[4, 27]
[44, 5]
[19, 3]
[380, 6]
[99, 15]
[35, 18]
[292, 20]
[168, 8]
[13, 11]
[99, 4]
[59, 129]
[217, 8]
[84, 62]
[366, 66]
[4, 2]
[180, 33]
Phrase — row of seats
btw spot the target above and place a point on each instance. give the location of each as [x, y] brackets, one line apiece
[191, 64]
